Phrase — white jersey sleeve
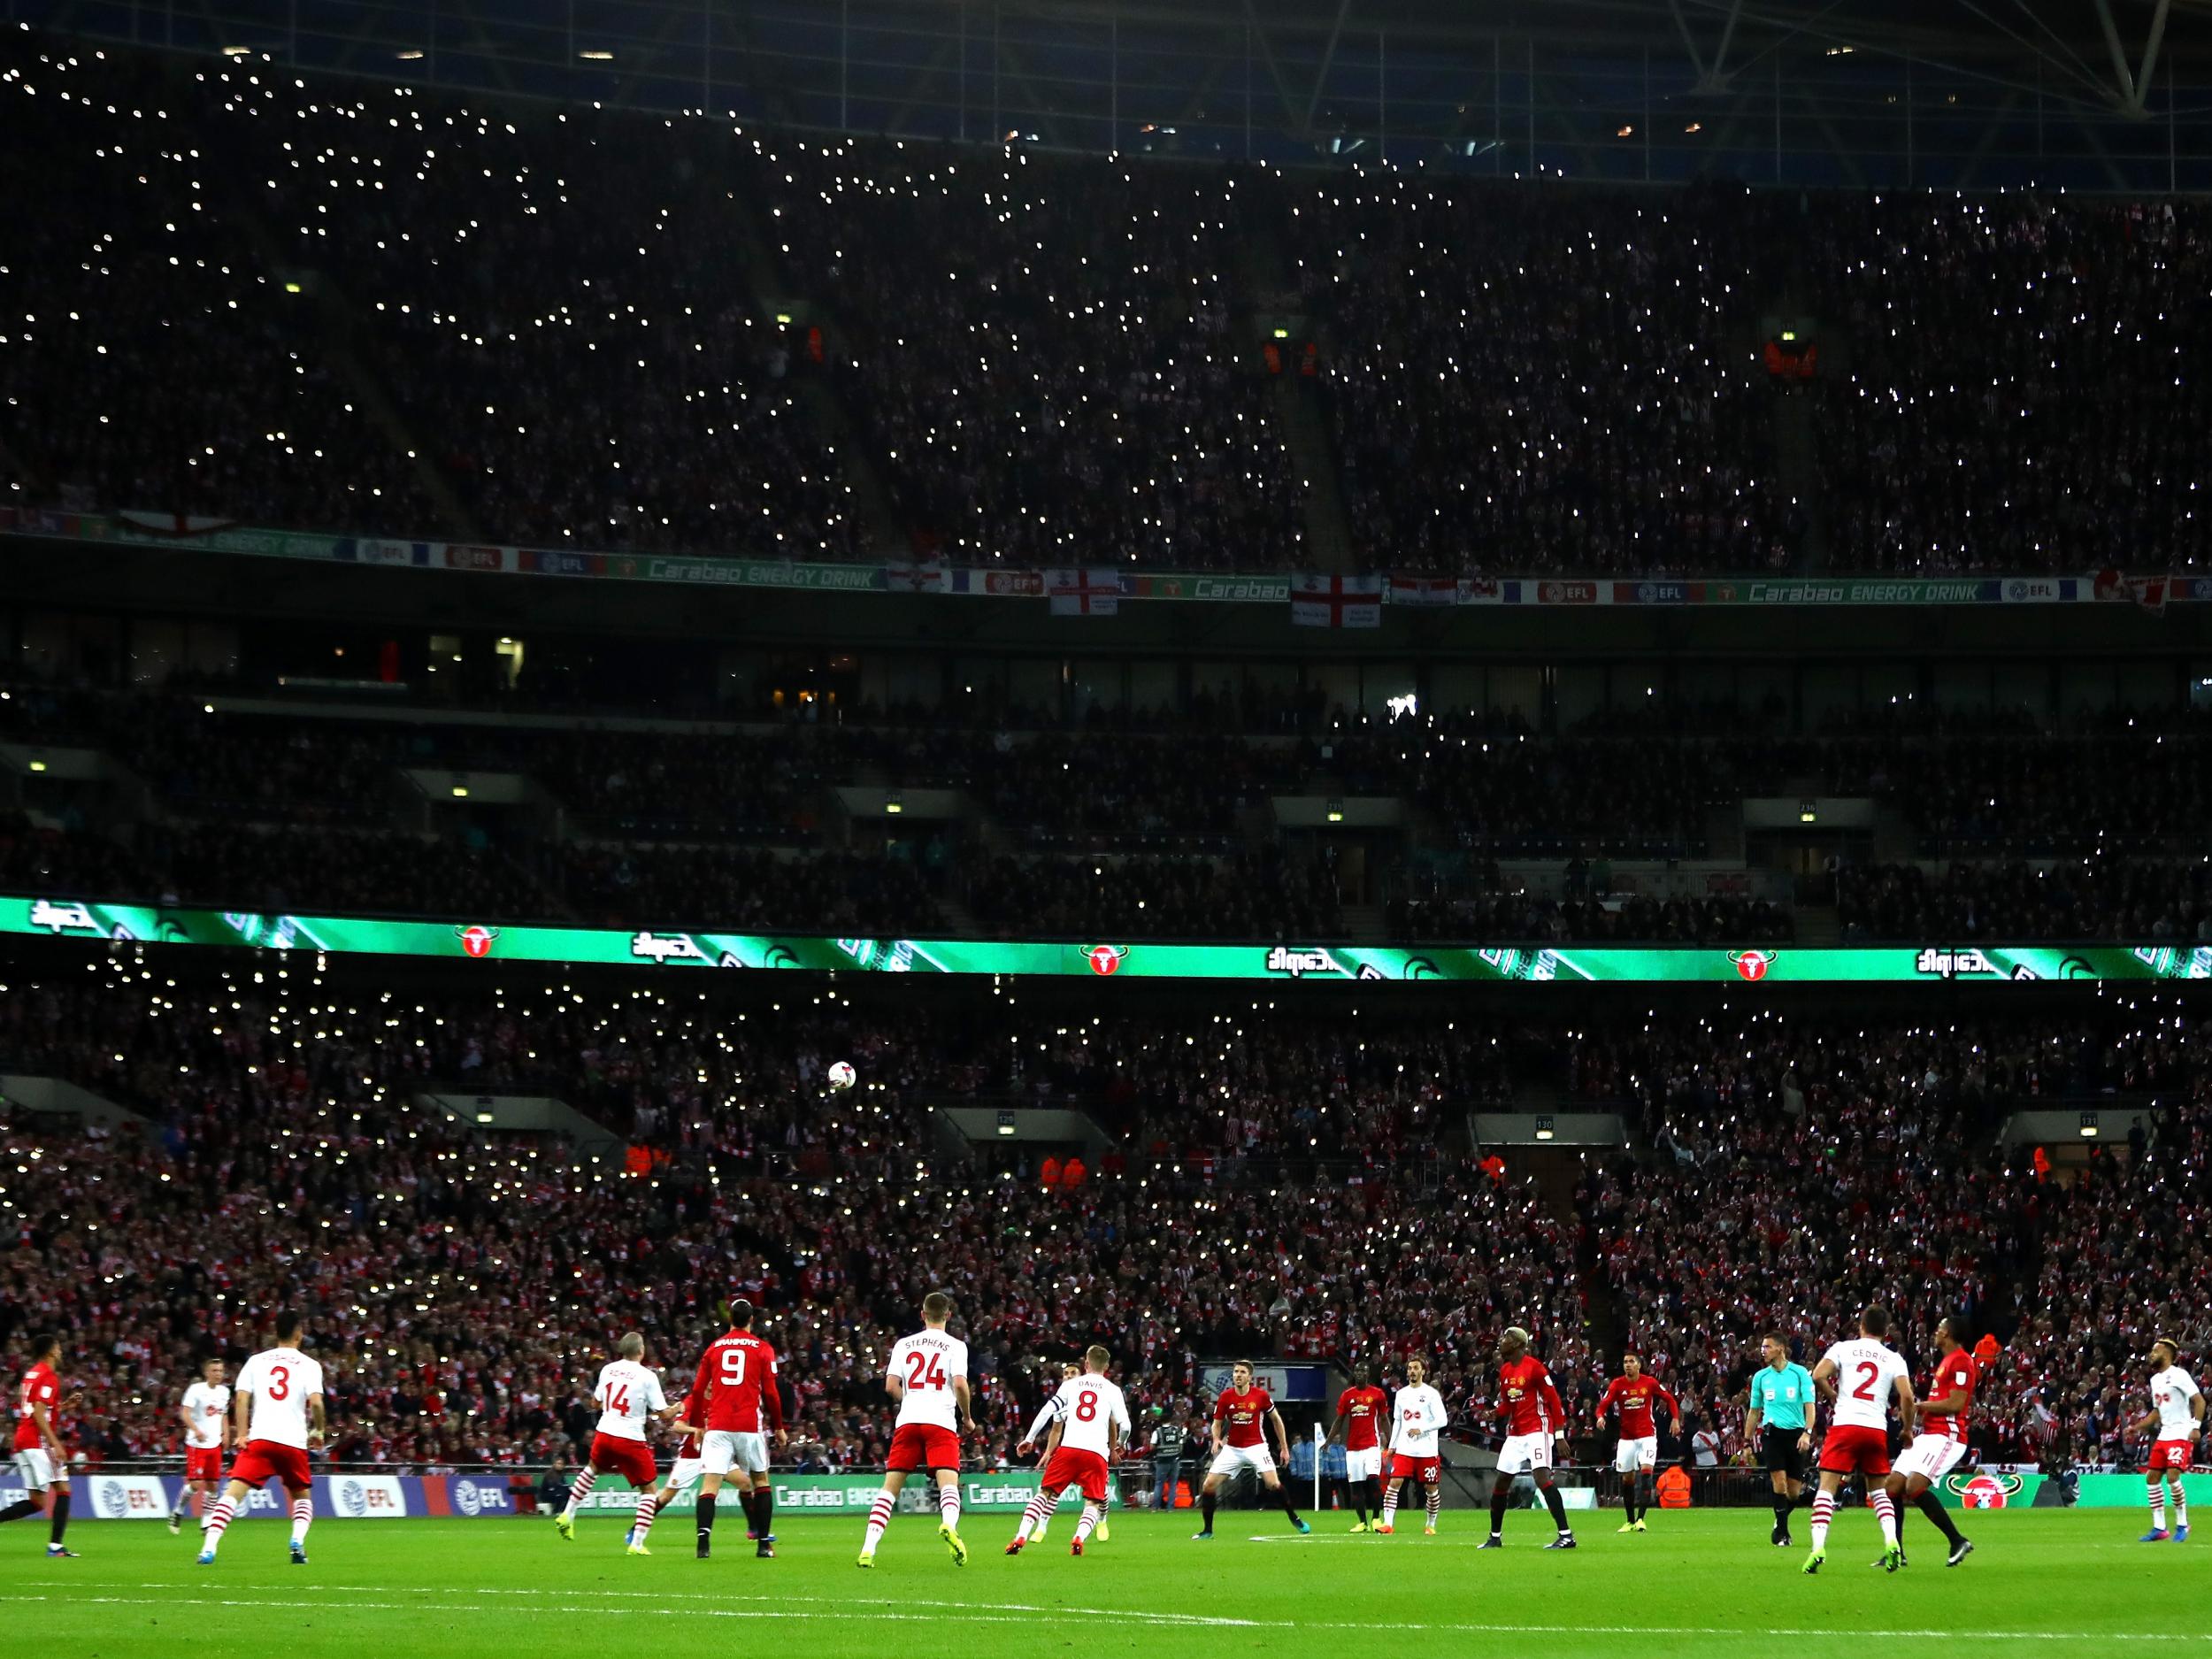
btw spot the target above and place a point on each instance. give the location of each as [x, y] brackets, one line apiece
[929, 1362]
[205, 1407]
[2171, 1391]
[627, 1393]
[1866, 1378]
[1047, 1414]
[281, 1380]
[1089, 1405]
[1416, 1415]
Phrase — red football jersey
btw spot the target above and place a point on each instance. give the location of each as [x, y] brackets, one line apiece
[688, 1447]
[1526, 1399]
[737, 1382]
[40, 1388]
[1954, 1372]
[1636, 1397]
[1362, 1409]
[1244, 1413]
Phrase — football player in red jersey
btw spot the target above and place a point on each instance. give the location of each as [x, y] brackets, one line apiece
[736, 1391]
[1244, 1416]
[1358, 1410]
[1534, 1419]
[42, 1459]
[1940, 1442]
[1637, 1453]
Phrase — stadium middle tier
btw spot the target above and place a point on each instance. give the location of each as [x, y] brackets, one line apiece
[1299, 1183]
[344, 307]
[1467, 829]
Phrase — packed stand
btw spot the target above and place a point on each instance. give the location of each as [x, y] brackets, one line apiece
[462, 1287]
[1526, 381]
[2124, 899]
[149, 360]
[2019, 393]
[1046, 352]
[1245, 896]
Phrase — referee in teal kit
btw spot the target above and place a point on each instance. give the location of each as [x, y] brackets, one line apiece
[1781, 1420]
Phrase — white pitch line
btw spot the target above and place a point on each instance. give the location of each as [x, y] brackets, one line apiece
[1007, 1612]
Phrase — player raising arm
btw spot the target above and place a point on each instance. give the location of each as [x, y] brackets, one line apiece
[1534, 1419]
[1417, 1417]
[206, 1413]
[928, 1380]
[1087, 1436]
[42, 1460]
[1359, 1411]
[1862, 1375]
[1637, 1455]
[1244, 1418]
[2177, 1409]
[1039, 1433]
[629, 1396]
[276, 1416]
[1941, 1442]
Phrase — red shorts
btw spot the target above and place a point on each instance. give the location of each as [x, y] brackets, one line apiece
[2165, 1454]
[632, 1460]
[1850, 1450]
[1068, 1468]
[260, 1461]
[203, 1463]
[1427, 1470]
[916, 1446]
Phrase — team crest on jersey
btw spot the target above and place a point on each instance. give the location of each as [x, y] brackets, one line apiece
[476, 940]
[1105, 960]
[1752, 965]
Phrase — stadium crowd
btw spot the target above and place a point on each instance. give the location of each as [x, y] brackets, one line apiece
[396, 311]
[1273, 1182]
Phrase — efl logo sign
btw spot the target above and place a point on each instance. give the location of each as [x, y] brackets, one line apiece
[1752, 965]
[1105, 960]
[476, 941]
[1984, 1490]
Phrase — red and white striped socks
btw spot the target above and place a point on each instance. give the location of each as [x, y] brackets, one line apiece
[1436, 1503]
[1093, 1513]
[303, 1517]
[1823, 1512]
[1886, 1512]
[2158, 1505]
[646, 1511]
[587, 1478]
[1390, 1507]
[878, 1517]
[948, 1506]
[218, 1522]
[1032, 1517]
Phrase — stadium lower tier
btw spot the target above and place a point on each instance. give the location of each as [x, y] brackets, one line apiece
[1300, 1181]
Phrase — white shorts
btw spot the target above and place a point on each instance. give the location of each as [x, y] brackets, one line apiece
[1630, 1456]
[1363, 1465]
[1524, 1454]
[1933, 1456]
[1229, 1459]
[722, 1450]
[35, 1468]
[682, 1472]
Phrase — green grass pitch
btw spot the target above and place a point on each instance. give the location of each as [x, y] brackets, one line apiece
[1701, 1582]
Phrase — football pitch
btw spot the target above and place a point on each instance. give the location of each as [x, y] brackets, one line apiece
[1704, 1582]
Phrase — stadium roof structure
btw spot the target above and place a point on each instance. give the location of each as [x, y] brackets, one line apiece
[2106, 95]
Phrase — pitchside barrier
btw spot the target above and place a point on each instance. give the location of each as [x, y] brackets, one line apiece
[504, 1494]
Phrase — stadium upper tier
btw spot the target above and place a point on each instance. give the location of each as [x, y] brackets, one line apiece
[1285, 1181]
[240, 292]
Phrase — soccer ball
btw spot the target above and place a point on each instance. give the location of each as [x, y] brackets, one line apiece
[841, 1076]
